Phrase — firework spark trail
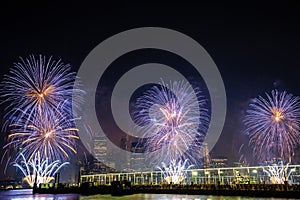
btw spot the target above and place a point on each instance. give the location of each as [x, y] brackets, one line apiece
[278, 173]
[273, 125]
[241, 155]
[39, 94]
[173, 120]
[52, 134]
[36, 85]
[38, 168]
[174, 172]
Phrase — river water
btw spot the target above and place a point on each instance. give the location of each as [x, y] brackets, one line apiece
[26, 194]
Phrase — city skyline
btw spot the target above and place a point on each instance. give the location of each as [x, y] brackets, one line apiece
[255, 52]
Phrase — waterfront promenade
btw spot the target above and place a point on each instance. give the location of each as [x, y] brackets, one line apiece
[234, 181]
[226, 176]
[121, 188]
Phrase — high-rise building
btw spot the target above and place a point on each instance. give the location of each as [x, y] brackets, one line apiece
[100, 148]
[137, 159]
[111, 161]
[125, 161]
[123, 144]
[219, 162]
[100, 154]
[206, 156]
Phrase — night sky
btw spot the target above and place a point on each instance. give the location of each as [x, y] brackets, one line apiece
[255, 46]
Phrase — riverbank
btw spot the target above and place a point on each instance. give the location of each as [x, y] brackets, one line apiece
[119, 188]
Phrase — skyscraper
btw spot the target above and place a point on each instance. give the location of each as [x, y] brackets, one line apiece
[125, 161]
[100, 153]
[100, 148]
[206, 156]
[137, 159]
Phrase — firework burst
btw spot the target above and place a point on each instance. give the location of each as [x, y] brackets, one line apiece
[175, 172]
[39, 94]
[37, 85]
[52, 134]
[273, 125]
[37, 169]
[173, 121]
[278, 172]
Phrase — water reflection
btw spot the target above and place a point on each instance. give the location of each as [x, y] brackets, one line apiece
[26, 194]
[171, 197]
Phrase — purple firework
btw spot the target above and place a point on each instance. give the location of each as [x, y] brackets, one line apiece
[37, 85]
[272, 124]
[53, 135]
[39, 94]
[173, 120]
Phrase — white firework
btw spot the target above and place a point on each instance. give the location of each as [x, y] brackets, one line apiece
[175, 172]
[173, 120]
[278, 173]
[37, 170]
